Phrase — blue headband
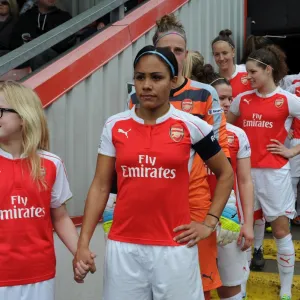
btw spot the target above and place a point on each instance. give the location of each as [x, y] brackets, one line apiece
[159, 54]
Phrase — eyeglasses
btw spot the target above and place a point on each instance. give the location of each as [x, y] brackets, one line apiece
[2, 110]
[4, 2]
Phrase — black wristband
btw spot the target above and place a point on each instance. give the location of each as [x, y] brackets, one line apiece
[209, 214]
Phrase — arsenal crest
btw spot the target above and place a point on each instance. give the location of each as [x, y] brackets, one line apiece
[279, 102]
[297, 91]
[187, 105]
[176, 133]
[230, 139]
[244, 80]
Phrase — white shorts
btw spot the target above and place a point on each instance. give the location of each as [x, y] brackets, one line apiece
[273, 192]
[145, 272]
[232, 264]
[38, 291]
[295, 161]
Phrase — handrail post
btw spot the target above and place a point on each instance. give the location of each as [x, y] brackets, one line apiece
[117, 14]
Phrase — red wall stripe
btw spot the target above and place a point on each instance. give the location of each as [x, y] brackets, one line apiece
[61, 76]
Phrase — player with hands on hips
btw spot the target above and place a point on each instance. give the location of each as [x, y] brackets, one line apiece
[267, 113]
[151, 147]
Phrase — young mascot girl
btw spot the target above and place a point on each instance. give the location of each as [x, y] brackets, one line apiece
[34, 188]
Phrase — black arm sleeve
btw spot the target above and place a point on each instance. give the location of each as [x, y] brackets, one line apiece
[207, 147]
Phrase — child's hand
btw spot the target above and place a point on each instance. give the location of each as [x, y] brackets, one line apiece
[83, 262]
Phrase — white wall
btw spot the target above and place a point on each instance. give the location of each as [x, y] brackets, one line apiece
[66, 288]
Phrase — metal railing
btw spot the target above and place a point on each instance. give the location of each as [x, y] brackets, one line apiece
[37, 46]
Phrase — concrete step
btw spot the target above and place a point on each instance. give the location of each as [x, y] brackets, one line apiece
[265, 286]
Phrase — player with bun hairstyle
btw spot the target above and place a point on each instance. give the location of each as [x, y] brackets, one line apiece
[267, 112]
[151, 251]
[223, 49]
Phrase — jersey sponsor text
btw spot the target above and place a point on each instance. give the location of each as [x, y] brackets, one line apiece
[147, 169]
[21, 212]
[257, 121]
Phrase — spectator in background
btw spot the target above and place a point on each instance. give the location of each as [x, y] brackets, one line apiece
[41, 18]
[28, 4]
[8, 18]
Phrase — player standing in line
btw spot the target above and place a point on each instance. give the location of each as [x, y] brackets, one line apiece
[149, 252]
[258, 262]
[34, 188]
[232, 260]
[292, 84]
[267, 112]
[223, 49]
[289, 80]
[202, 101]
[294, 136]
[234, 278]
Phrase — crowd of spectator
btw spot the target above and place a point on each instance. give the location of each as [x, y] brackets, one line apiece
[24, 20]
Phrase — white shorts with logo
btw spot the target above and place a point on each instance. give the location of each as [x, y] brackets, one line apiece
[295, 161]
[143, 272]
[232, 264]
[38, 291]
[273, 192]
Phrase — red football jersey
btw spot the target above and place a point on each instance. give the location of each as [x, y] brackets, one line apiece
[264, 118]
[289, 80]
[239, 148]
[295, 89]
[26, 232]
[239, 81]
[153, 164]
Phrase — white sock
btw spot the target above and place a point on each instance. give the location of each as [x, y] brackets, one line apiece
[244, 289]
[286, 262]
[259, 233]
[239, 296]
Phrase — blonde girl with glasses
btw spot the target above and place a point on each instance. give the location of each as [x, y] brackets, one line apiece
[34, 189]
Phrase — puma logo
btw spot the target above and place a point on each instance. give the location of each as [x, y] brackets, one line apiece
[124, 132]
[208, 276]
[285, 260]
[247, 101]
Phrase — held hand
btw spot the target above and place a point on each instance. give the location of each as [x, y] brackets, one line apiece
[80, 271]
[193, 233]
[83, 262]
[279, 149]
[247, 235]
